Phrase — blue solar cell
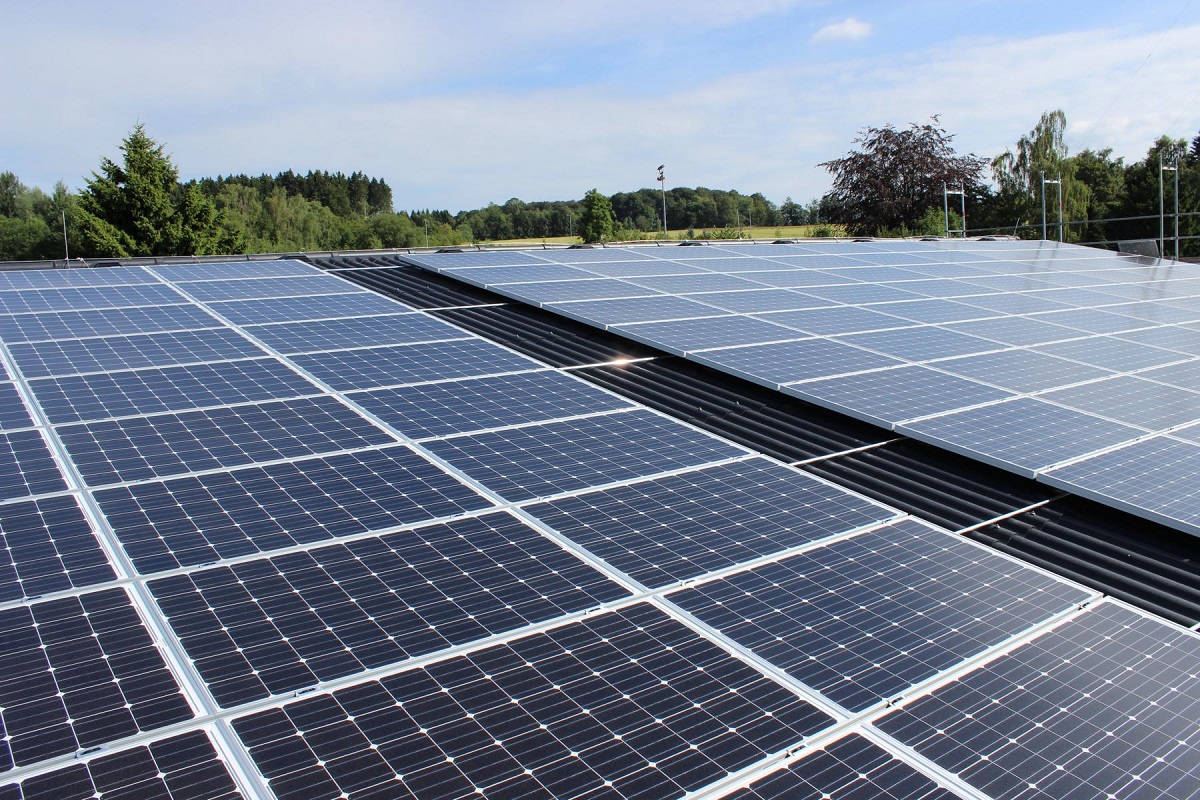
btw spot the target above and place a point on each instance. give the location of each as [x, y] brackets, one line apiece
[439, 409]
[107, 322]
[68, 357]
[47, 546]
[669, 529]
[863, 619]
[26, 466]
[347, 370]
[550, 458]
[1102, 706]
[626, 704]
[148, 391]
[195, 520]
[13, 413]
[269, 627]
[338, 334]
[143, 448]
[290, 309]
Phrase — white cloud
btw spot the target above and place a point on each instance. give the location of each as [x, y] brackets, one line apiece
[847, 30]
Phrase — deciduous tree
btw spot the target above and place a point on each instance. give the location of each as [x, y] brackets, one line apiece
[597, 222]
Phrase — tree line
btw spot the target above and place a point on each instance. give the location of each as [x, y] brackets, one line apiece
[891, 184]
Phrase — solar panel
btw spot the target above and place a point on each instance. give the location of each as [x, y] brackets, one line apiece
[550, 458]
[863, 619]
[273, 626]
[347, 370]
[58, 278]
[76, 299]
[13, 413]
[701, 334]
[106, 322]
[223, 271]
[289, 309]
[26, 466]
[338, 334]
[46, 545]
[249, 288]
[73, 357]
[669, 529]
[629, 704]
[1102, 706]
[1133, 400]
[800, 360]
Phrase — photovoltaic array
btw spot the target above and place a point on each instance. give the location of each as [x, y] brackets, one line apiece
[1073, 365]
[265, 533]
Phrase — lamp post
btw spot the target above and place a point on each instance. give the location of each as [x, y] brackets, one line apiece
[662, 182]
[1058, 182]
[1162, 234]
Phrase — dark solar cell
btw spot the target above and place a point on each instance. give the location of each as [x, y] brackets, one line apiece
[326, 306]
[438, 409]
[130, 352]
[149, 391]
[33, 300]
[26, 466]
[191, 521]
[336, 334]
[47, 546]
[13, 413]
[113, 321]
[1103, 706]
[79, 672]
[852, 768]
[184, 767]
[863, 619]
[665, 530]
[546, 459]
[347, 370]
[268, 627]
[627, 704]
[142, 448]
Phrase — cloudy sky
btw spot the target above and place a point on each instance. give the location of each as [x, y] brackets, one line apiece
[460, 103]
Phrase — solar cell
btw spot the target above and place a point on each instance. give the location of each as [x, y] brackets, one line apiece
[80, 672]
[440, 409]
[179, 768]
[292, 309]
[863, 619]
[1024, 434]
[13, 413]
[367, 368]
[46, 546]
[550, 458]
[627, 704]
[106, 322]
[148, 391]
[195, 520]
[274, 626]
[26, 466]
[1102, 706]
[67, 357]
[669, 529]
[76, 299]
[852, 767]
[249, 288]
[795, 361]
[338, 334]
[143, 448]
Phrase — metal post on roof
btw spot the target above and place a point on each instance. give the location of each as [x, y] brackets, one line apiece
[946, 207]
[662, 181]
[1043, 205]
[1177, 208]
[67, 249]
[1056, 181]
[962, 193]
[427, 231]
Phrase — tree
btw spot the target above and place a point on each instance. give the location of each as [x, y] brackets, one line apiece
[896, 176]
[597, 222]
[137, 208]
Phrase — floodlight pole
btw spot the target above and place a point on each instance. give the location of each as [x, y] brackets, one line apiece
[426, 232]
[1162, 233]
[1058, 182]
[662, 182]
[67, 249]
[1043, 205]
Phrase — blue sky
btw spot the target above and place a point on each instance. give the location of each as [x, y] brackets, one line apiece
[458, 104]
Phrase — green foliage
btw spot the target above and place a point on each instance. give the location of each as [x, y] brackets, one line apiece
[597, 222]
[1042, 153]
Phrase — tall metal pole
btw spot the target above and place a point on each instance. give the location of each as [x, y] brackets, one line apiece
[1043, 205]
[67, 250]
[662, 182]
[962, 196]
[1176, 209]
[1060, 228]
[946, 206]
[1161, 228]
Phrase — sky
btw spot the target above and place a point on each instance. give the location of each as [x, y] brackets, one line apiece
[457, 104]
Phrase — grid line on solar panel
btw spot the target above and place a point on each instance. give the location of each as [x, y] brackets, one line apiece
[295, 309]
[162, 445]
[267, 627]
[78, 299]
[1026, 433]
[290, 338]
[109, 354]
[669, 529]
[473, 404]
[108, 322]
[194, 520]
[863, 619]
[47, 545]
[852, 767]
[630, 702]
[545, 459]
[1103, 705]
[252, 288]
[183, 767]
[80, 672]
[397, 365]
[27, 466]
[84, 398]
